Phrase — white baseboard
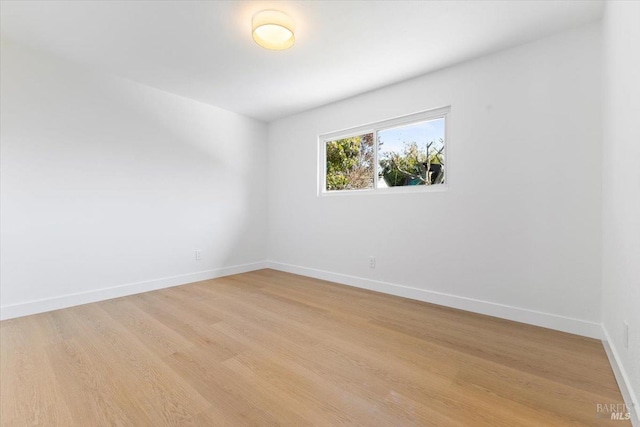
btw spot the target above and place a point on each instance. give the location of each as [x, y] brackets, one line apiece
[628, 394]
[537, 318]
[546, 320]
[64, 301]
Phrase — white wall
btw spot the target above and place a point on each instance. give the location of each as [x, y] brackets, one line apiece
[519, 228]
[621, 186]
[107, 183]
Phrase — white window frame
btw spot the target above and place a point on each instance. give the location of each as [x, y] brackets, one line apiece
[439, 113]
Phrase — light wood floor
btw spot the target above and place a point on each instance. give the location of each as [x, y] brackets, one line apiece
[270, 348]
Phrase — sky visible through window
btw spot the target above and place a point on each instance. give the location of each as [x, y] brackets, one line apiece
[393, 139]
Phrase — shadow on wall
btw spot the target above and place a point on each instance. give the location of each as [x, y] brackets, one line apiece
[225, 190]
[106, 182]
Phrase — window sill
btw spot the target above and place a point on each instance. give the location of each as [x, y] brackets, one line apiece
[440, 188]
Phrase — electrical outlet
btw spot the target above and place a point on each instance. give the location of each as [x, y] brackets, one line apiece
[372, 262]
[625, 334]
[198, 255]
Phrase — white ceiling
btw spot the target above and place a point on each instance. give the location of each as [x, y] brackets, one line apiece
[203, 49]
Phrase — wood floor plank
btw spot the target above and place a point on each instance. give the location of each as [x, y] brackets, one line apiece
[148, 330]
[270, 348]
[26, 376]
[353, 377]
[233, 401]
[218, 346]
[90, 392]
[166, 397]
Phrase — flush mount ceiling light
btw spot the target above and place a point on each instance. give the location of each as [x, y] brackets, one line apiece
[273, 30]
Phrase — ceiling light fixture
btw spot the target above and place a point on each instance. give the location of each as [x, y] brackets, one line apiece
[273, 30]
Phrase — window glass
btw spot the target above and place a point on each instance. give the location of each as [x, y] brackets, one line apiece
[350, 163]
[412, 154]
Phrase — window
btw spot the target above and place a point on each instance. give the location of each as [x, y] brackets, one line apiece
[407, 152]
